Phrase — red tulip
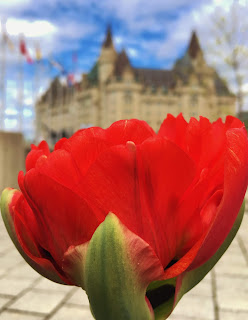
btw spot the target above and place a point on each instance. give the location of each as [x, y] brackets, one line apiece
[133, 217]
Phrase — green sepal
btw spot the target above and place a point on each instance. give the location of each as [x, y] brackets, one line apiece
[118, 268]
[5, 202]
[186, 281]
[193, 277]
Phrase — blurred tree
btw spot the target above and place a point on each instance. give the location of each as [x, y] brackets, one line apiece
[228, 46]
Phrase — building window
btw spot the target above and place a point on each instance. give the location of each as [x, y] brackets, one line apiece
[164, 90]
[170, 103]
[194, 100]
[128, 80]
[112, 97]
[128, 97]
[153, 89]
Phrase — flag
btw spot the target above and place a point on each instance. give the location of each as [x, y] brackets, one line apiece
[24, 51]
[8, 41]
[70, 79]
[73, 81]
[57, 65]
[74, 57]
[38, 53]
[23, 48]
[77, 85]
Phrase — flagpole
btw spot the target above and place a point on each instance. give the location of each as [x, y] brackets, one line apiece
[21, 91]
[74, 67]
[3, 80]
[43, 73]
[60, 101]
[75, 88]
[36, 85]
[60, 91]
[37, 82]
[63, 106]
[49, 105]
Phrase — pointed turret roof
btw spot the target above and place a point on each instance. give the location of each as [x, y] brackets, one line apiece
[108, 42]
[122, 62]
[194, 46]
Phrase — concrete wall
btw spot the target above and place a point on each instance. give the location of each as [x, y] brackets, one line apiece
[12, 158]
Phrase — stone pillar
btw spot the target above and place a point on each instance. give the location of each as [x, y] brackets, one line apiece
[12, 158]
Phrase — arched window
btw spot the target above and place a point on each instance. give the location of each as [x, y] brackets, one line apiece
[128, 97]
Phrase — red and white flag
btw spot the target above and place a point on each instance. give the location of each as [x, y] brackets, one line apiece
[70, 79]
[24, 51]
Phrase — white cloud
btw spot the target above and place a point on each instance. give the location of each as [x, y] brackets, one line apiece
[10, 4]
[118, 40]
[179, 30]
[37, 28]
[63, 30]
[74, 29]
[132, 52]
[141, 14]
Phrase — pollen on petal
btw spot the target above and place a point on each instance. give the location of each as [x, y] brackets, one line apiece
[131, 145]
[41, 160]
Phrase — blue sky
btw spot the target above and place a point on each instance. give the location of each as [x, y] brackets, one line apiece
[154, 33]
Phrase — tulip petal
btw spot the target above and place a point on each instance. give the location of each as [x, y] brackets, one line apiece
[235, 185]
[85, 146]
[174, 129]
[118, 266]
[165, 173]
[145, 192]
[43, 266]
[137, 131]
[198, 138]
[178, 286]
[36, 153]
[188, 279]
[73, 262]
[61, 213]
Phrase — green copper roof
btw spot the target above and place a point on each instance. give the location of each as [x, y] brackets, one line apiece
[93, 75]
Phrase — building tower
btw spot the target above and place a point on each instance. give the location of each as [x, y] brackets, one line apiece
[195, 51]
[204, 72]
[107, 57]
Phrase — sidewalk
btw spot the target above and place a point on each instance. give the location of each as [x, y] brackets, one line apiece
[25, 295]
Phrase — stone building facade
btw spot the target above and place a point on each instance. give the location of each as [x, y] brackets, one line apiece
[114, 89]
[12, 158]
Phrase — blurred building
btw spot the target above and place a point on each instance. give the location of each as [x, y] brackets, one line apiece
[12, 158]
[243, 116]
[114, 89]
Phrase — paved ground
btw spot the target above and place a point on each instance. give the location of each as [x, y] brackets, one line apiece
[24, 295]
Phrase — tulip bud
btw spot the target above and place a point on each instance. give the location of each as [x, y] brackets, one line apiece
[175, 197]
[117, 267]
